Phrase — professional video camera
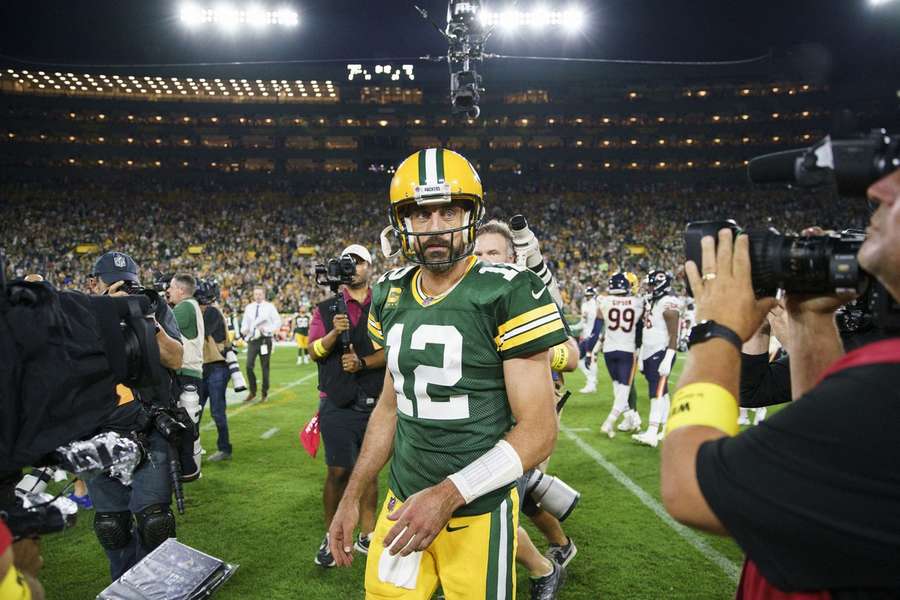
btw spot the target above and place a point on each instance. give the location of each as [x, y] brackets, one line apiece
[161, 281]
[852, 164]
[35, 512]
[820, 264]
[817, 264]
[333, 274]
[336, 272]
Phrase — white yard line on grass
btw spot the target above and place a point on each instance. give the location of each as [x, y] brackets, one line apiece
[268, 433]
[724, 563]
[244, 407]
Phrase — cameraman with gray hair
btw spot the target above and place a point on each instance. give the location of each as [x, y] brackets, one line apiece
[811, 497]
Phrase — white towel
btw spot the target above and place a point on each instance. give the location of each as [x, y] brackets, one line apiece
[401, 571]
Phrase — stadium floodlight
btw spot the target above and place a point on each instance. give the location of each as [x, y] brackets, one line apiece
[192, 15]
[256, 16]
[230, 18]
[876, 3]
[571, 19]
[226, 17]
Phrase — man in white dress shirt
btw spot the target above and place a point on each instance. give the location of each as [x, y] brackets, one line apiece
[261, 321]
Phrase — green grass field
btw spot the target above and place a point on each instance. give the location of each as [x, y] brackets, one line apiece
[263, 511]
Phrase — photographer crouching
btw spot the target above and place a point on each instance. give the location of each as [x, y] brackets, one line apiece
[130, 521]
[818, 516]
[351, 375]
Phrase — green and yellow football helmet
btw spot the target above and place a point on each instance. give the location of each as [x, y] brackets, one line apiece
[431, 177]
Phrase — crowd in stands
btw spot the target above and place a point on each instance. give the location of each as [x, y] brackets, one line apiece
[274, 234]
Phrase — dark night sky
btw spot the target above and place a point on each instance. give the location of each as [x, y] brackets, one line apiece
[856, 36]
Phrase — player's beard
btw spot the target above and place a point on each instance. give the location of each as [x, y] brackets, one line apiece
[454, 246]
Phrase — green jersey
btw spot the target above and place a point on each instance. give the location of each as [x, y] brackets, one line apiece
[301, 325]
[446, 356]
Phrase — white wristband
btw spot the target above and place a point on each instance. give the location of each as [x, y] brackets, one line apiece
[492, 470]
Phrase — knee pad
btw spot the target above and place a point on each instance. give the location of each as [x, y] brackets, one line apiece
[155, 524]
[113, 529]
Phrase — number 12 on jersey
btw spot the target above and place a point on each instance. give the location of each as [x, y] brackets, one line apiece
[447, 375]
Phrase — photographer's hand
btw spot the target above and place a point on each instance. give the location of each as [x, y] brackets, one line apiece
[724, 293]
[341, 323]
[115, 290]
[350, 361]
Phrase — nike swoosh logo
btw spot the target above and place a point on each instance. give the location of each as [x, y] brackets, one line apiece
[537, 295]
[452, 529]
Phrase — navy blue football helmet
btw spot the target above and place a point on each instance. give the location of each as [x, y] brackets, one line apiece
[659, 283]
[618, 285]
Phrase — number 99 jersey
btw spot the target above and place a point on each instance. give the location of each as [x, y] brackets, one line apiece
[445, 355]
[621, 315]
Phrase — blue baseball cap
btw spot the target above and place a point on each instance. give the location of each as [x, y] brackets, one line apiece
[115, 266]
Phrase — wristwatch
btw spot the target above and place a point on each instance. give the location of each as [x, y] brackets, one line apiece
[707, 330]
[362, 363]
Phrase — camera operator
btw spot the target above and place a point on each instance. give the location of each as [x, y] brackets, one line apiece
[261, 321]
[130, 521]
[350, 379]
[215, 368]
[17, 581]
[821, 513]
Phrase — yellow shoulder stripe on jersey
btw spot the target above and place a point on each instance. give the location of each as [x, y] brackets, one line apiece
[526, 317]
[375, 328]
[531, 334]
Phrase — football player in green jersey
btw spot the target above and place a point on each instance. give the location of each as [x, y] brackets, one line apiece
[467, 403]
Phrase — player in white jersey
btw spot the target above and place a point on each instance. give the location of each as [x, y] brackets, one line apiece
[621, 313]
[660, 339]
[590, 332]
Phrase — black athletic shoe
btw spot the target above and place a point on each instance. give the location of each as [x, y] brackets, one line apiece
[361, 544]
[323, 556]
[562, 555]
[548, 586]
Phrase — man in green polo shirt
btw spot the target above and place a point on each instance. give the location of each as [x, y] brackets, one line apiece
[190, 320]
[189, 316]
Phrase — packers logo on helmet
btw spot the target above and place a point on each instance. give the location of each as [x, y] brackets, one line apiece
[432, 177]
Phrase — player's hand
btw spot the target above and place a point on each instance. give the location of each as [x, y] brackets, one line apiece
[350, 361]
[115, 291]
[724, 292]
[341, 323]
[421, 518]
[665, 366]
[340, 533]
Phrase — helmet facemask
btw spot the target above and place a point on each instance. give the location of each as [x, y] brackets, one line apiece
[411, 242]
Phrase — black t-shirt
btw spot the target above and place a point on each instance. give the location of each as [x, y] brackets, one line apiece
[214, 325]
[812, 494]
[765, 383]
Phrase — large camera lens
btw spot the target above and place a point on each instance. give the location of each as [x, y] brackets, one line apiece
[805, 265]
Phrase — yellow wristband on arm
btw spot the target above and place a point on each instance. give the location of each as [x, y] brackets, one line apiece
[319, 348]
[14, 586]
[560, 357]
[704, 404]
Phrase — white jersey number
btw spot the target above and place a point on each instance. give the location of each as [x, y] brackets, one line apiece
[447, 375]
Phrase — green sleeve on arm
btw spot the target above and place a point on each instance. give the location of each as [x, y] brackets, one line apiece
[187, 319]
